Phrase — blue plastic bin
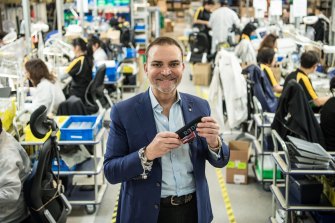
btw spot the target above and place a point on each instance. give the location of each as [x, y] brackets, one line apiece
[130, 53]
[139, 27]
[140, 40]
[80, 128]
[62, 167]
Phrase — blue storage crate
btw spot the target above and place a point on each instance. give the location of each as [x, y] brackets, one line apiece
[111, 73]
[139, 27]
[80, 128]
[130, 53]
[62, 167]
[140, 40]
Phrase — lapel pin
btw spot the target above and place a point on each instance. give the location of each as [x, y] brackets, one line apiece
[189, 109]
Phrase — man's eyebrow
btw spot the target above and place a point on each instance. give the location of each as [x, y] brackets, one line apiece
[174, 61]
[156, 61]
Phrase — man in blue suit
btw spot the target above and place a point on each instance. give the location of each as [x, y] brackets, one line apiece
[163, 180]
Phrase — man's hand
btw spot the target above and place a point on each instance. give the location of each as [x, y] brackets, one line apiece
[209, 129]
[163, 143]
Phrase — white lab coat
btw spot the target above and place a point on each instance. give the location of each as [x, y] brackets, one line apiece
[221, 20]
[229, 84]
[99, 55]
[246, 52]
[14, 169]
[46, 93]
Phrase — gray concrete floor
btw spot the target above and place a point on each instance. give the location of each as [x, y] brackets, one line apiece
[250, 203]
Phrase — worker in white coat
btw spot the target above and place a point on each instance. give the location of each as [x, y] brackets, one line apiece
[221, 21]
[46, 90]
[15, 168]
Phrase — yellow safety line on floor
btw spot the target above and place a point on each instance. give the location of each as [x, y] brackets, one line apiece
[201, 93]
[115, 208]
[225, 196]
[231, 217]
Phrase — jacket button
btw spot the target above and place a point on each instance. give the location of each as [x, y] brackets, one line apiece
[156, 206]
[158, 184]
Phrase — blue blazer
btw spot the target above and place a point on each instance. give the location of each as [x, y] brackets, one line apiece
[133, 127]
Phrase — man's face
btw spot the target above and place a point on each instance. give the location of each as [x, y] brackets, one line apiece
[164, 68]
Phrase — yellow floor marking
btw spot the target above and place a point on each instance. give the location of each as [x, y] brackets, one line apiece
[225, 196]
[204, 94]
[115, 209]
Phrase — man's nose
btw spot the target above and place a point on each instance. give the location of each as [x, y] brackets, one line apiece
[166, 71]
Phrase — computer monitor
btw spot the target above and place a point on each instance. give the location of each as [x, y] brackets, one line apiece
[5, 92]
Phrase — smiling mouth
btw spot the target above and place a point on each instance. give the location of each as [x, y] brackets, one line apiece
[170, 79]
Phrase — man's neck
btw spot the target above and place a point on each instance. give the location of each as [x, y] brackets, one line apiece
[305, 70]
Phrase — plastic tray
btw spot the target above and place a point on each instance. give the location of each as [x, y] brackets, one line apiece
[80, 128]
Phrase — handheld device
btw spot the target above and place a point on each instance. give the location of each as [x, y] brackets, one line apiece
[187, 133]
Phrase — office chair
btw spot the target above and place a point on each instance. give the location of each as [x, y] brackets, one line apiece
[95, 91]
[42, 189]
[199, 44]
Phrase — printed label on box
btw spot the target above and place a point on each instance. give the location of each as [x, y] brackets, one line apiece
[237, 164]
[231, 165]
[242, 165]
[239, 179]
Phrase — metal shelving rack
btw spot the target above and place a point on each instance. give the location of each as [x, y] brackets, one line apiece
[262, 121]
[281, 192]
[92, 166]
[139, 22]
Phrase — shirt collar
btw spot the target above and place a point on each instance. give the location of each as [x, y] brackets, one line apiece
[154, 102]
[300, 71]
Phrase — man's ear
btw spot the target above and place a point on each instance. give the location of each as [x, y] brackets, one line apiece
[146, 68]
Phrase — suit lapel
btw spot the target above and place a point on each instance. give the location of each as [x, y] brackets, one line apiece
[146, 116]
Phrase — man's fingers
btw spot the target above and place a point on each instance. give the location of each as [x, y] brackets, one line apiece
[168, 135]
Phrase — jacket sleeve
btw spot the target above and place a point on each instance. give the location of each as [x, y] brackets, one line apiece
[120, 163]
[10, 183]
[75, 66]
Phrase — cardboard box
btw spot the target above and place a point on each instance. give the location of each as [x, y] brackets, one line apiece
[168, 25]
[247, 12]
[237, 167]
[162, 6]
[202, 74]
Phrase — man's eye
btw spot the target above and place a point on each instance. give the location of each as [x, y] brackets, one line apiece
[156, 65]
[174, 64]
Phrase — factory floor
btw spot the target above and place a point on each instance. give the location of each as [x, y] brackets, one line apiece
[248, 203]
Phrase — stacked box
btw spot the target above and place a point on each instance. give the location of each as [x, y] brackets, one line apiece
[237, 167]
[202, 74]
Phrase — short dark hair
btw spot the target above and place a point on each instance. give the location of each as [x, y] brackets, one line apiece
[94, 40]
[164, 40]
[265, 55]
[309, 58]
[208, 2]
[248, 29]
[223, 2]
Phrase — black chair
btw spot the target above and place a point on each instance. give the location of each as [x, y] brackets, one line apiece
[199, 45]
[42, 189]
[96, 96]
